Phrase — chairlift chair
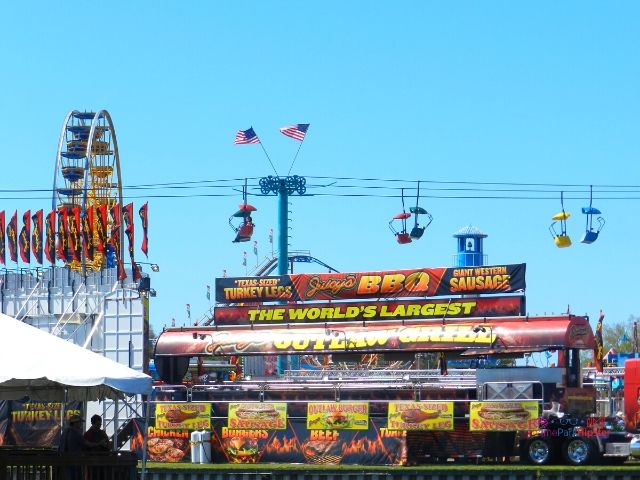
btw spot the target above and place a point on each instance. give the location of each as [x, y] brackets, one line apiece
[562, 240]
[591, 233]
[244, 230]
[402, 236]
[417, 231]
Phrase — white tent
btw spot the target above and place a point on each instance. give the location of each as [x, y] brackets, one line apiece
[42, 366]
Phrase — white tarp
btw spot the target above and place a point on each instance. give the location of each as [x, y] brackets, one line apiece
[42, 366]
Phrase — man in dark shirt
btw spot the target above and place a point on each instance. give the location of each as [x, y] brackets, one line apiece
[72, 442]
[96, 439]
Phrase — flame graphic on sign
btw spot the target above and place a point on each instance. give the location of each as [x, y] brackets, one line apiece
[284, 445]
[358, 446]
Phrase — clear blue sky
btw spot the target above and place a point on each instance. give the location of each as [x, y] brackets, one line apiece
[495, 91]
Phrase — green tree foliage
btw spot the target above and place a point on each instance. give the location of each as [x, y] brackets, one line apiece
[619, 335]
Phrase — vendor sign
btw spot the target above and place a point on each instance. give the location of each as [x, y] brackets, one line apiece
[424, 282]
[503, 416]
[258, 415]
[338, 416]
[420, 416]
[380, 310]
[183, 416]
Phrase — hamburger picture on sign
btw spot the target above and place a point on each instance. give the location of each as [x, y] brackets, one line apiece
[259, 415]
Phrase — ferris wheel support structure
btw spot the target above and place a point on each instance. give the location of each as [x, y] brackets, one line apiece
[87, 173]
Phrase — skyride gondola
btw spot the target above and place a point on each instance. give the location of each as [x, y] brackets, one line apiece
[403, 236]
[591, 233]
[562, 240]
[244, 230]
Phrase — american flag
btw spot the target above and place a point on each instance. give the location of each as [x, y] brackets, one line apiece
[297, 131]
[246, 136]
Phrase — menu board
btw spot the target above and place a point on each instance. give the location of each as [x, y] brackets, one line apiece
[183, 416]
[503, 416]
[420, 416]
[262, 415]
[337, 415]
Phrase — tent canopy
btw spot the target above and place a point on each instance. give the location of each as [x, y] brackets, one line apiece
[42, 366]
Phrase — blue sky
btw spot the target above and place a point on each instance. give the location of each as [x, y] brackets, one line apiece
[517, 92]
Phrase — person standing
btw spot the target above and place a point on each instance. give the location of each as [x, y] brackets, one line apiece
[72, 443]
[96, 439]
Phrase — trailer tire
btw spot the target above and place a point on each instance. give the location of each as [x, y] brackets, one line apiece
[578, 451]
[538, 451]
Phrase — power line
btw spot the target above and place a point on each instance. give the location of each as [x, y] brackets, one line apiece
[370, 188]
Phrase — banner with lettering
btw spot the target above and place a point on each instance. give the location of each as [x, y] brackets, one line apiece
[503, 416]
[379, 310]
[337, 415]
[424, 282]
[183, 416]
[263, 415]
[420, 416]
[297, 444]
[164, 446]
[32, 423]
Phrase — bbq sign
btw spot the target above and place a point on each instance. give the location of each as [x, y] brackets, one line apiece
[425, 282]
[356, 311]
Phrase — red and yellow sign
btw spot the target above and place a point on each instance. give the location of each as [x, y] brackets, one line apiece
[380, 310]
[503, 416]
[420, 416]
[337, 416]
[423, 282]
[258, 415]
[183, 416]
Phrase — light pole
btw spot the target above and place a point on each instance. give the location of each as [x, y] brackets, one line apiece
[283, 187]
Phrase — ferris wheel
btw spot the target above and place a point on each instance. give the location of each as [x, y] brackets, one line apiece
[87, 174]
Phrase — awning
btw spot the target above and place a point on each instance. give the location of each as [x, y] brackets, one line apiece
[469, 337]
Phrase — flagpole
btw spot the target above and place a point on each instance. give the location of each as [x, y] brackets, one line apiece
[296, 155]
[265, 152]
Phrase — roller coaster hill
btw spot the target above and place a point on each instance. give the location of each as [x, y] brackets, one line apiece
[395, 367]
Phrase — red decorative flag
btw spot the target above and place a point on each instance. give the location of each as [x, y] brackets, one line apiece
[12, 237]
[50, 235]
[116, 217]
[75, 240]
[63, 234]
[129, 226]
[2, 238]
[36, 236]
[24, 241]
[101, 227]
[598, 348]
[144, 216]
[87, 232]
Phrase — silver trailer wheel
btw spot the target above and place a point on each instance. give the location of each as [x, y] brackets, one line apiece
[577, 451]
[539, 451]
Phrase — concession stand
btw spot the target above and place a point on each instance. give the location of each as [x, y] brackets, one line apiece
[359, 391]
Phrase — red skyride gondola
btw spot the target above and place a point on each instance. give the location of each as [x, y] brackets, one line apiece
[402, 236]
[244, 230]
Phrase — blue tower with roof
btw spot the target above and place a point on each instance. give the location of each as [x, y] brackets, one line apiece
[470, 252]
